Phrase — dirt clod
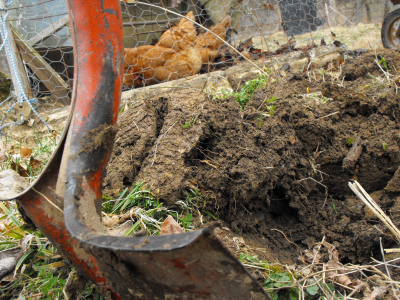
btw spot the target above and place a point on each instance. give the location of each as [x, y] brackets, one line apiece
[276, 180]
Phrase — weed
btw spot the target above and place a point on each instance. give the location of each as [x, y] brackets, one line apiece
[334, 206]
[186, 221]
[384, 146]
[350, 141]
[195, 202]
[139, 196]
[146, 211]
[383, 61]
[188, 124]
[246, 92]
[281, 284]
[317, 97]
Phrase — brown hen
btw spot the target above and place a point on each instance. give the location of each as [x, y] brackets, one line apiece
[146, 65]
[208, 44]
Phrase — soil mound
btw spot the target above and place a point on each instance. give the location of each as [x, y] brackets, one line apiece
[279, 179]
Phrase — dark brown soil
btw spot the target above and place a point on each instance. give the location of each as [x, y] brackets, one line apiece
[277, 181]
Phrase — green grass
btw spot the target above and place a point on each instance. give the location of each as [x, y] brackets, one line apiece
[245, 94]
[41, 272]
[287, 284]
[32, 165]
[147, 212]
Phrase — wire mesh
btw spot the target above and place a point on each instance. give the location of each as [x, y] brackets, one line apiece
[37, 48]
[44, 46]
[272, 25]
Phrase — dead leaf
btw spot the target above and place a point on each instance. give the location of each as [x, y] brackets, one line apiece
[35, 163]
[170, 226]
[25, 152]
[239, 241]
[120, 230]
[282, 73]
[377, 293]
[334, 265]
[247, 54]
[246, 45]
[9, 258]
[116, 191]
[20, 170]
[116, 220]
[74, 286]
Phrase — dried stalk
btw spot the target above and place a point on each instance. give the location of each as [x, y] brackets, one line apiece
[363, 195]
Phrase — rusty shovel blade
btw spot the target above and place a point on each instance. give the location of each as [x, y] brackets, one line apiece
[182, 266]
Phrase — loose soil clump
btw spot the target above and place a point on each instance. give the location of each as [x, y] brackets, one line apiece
[278, 180]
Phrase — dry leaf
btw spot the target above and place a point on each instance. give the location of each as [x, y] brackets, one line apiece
[116, 191]
[25, 152]
[20, 170]
[170, 226]
[247, 44]
[116, 220]
[282, 73]
[35, 163]
[9, 258]
[377, 293]
[334, 264]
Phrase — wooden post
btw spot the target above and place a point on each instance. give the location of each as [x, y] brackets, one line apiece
[43, 70]
[49, 30]
[11, 54]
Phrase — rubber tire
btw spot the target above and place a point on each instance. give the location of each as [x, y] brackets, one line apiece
[390, 18]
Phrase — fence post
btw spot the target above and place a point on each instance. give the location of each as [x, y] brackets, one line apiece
[12, 56]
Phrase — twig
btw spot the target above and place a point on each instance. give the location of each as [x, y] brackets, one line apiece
[334, 113]
[361, 285]
[319, 248]
[48, 200]
[158, 140]
[211, 165]
[254, 267]
[320, 287]
[363, 195]
[284, 236]
[384, 260]
[174, 87]
[316, 181]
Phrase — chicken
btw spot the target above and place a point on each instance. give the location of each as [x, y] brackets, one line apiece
[181, 36]
[208, 44]
[146, 65]
[174, 56]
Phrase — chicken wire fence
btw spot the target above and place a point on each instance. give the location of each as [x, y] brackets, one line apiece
[161, 45]
[157, 49]
[37, 54]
